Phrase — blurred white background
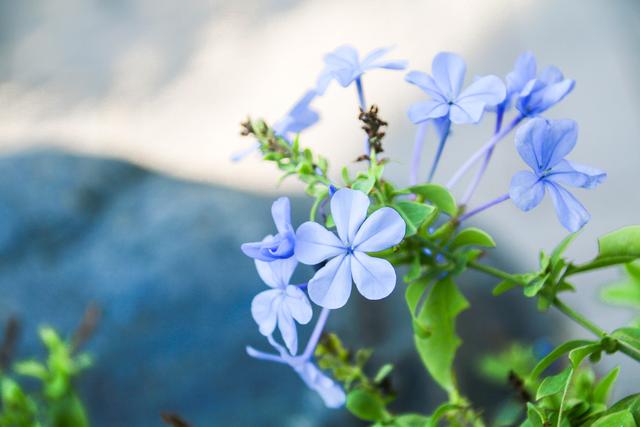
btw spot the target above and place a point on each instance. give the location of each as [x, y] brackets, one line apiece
[165, 84]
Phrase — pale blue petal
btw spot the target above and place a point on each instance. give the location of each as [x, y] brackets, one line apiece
[343, 56]
[332, 394]
[550, 75]
[470, 105]
[276, 273]
[421, 111]
[287, 328]
[488, 89]
[323, 81]
[314, 244]
[298, 304]
[448, 71]
[264, 308]
[526, 190]
[383, 229]
[375, 278]
[330, 287]
[571, 214]
[529, 139]
[559, 139]
[271, 248]
[349, 209]
[576, 175]
[524, 71]
[281, 213]
[427, 84]
[374, 56]
[554, 93]
[391, 64]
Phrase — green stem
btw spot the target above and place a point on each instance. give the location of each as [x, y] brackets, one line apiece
[562, 307]
[578, 318]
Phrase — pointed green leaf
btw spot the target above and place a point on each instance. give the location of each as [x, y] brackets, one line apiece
[364, 183]
[622, 418]
[629, 336]
[535, 417]
[472, 237]
[562, 246]
[554, 384]
[555, 355]
[414, 293]
[627, 292]
[439, 312]
[622, 242]
[438, 195]
[603, 389]
[366, 405]
[413, 213]
[577, 355]
[502, 287]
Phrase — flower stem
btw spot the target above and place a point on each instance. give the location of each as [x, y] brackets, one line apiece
[562, 307]
[476, 180]
[417, 152]
[486, 147]
[315, 335]
[363, 107]
[486, 206]
[443, 139]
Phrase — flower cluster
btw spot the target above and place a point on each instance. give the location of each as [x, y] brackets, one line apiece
[372, 219]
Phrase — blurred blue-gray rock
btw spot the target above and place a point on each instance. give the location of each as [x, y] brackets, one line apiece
[161, 257]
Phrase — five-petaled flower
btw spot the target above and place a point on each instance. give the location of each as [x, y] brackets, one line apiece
[534, 95]
[280, 246]
[448, 99]
[375, 278]
[283, 305]
[344, 66]
[543, 144]
[299, 118]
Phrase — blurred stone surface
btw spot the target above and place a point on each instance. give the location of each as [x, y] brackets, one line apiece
[161, 257]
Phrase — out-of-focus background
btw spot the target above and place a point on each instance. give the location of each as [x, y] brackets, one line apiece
[163, 85]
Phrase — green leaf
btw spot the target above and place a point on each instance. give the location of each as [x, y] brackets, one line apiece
[535, 417]
[619, 243]
[622, 418]
[629, 336]
[630, 403]
[577, 355]
[411, 420]
[413, 213]
[603, 389]
[438, 195]
[383, 372]
[626, 293]
[562, 246]
[364, 183]
[414, 293]
[535, 286]
[443, 304]
[502, 287]
[554, 384]
[472, 237]
[366, 405]
[555, 355]
[441, 411]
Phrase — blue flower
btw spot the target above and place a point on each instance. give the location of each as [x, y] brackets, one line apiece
[331, 393]
[375, 278]
[543, 144]
[448, 98]
[534, 95]
[280, 246]
[344, 66]
[283, 304]
[299, 118]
